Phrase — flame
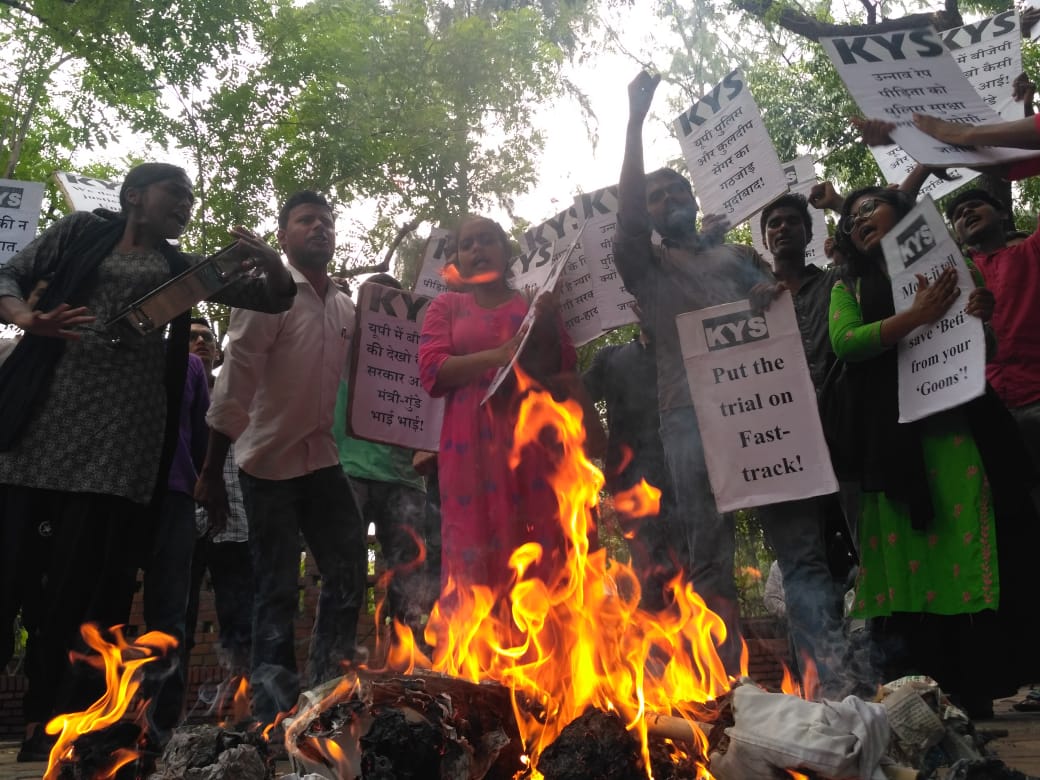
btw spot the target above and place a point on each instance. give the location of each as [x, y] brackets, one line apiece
[321, 748]
[797, 775]
[640, 500]
[241, 707]
[750, 573]
[565, 640]
[809, 687]
[456, 281]
[122, 662]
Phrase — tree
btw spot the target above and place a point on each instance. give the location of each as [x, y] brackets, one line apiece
[422, 109]
[77, 70]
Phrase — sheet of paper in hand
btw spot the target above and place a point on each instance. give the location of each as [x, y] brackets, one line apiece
[547, 286]
[755, 403]
[154, 310]
[944, 364]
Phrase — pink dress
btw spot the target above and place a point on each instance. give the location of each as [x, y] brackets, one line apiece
[487, 510]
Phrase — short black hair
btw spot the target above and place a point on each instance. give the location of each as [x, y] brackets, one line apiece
[792, 200]
[140, 176]
[668, 173]
[298, 199]
[974, 194]
[200, 321]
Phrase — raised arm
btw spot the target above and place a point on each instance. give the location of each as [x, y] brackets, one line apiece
[632, 185]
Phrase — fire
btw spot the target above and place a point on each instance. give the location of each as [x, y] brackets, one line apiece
[456, 281]
[241, 706]
[122, 662]
[809, 687]
[577, 638]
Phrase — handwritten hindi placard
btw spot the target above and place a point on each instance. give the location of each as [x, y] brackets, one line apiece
[731, 158]
[388, 403]
[430, 282]
[801, 177]
[20, 204]
[755, 403]
[941, 365]
[86, 193]
[892, 75]
[616, 303]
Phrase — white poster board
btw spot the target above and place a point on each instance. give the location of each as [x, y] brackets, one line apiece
[430, 281]
[388, 403]
[86, 193]
[941, 365]
[20, 204]
[989, 53]
[731, 158]
[800, 174]
[616, 303]
[892, 75]
[756, 404]
[598, 203]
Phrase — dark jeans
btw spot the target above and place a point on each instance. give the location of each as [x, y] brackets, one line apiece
[709, 542]
[795, 531]
[401, 520]
[78, 554]
[230, 568]
[167, 574]
[322, 507]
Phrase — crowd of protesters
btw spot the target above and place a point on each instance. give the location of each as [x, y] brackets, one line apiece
[125, 454]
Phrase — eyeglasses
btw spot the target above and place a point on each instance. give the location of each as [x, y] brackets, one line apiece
[205, 335]
[866, 208]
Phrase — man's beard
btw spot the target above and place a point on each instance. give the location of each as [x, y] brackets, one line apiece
[680, 222]
[313, 260]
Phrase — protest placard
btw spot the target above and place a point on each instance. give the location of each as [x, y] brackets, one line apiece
[755, 403]
[430, 281]
[989, 53]
[616, 304]
[944, 364]
[86, 193]
[20, 204]
[892, 75]
[731, 158]
[800, 175]
[388, 403]
[548, 285]
[896, 165]
[597, 203]
[577, 300]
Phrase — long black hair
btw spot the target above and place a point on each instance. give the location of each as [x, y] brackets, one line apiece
[858, 264]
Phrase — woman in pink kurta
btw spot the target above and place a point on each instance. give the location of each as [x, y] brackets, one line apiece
[487, 509]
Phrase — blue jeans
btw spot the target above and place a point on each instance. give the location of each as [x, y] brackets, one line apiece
[710, 547]
[795, 531]
[319, 505]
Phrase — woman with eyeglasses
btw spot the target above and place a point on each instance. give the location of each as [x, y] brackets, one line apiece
[488, 509]
[943, 502]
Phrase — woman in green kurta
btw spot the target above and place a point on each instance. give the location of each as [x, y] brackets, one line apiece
[930, 569]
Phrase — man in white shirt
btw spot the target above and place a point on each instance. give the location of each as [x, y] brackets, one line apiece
[275, 398]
